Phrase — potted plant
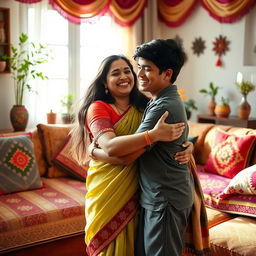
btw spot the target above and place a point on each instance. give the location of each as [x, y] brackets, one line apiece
[223, 109]
[189, 106]
[244, 108]
[2, 63]
[67, 104]
[24, 62]
[212, 92]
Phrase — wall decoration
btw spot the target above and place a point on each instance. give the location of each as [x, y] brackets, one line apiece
[220, 48]
[198, 46]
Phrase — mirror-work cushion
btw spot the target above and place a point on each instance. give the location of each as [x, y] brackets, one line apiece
[230, 153]
[18, 167]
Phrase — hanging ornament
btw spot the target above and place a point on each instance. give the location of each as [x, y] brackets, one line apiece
[198, 46]
[220, 48]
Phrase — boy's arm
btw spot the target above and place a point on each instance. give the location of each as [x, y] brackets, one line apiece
[123, 145]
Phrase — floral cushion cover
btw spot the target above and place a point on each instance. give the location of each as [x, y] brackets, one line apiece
[218, 192]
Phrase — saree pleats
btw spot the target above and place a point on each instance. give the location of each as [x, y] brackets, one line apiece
[111, 200]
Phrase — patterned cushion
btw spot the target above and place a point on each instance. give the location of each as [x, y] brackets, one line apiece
[213, 185]
[64, 159]
[52, 138]
[37, 148]
[18, 167]
[230, 153]
[243, 183]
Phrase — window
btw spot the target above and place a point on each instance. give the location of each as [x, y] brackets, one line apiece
[76, 52]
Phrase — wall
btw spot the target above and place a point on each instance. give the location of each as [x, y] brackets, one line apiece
[199, 71]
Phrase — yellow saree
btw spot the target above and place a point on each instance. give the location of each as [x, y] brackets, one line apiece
[111, 200]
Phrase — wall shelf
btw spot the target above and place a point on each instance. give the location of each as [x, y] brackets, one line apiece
[5, 41]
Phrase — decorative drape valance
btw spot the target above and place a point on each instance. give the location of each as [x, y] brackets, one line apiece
[127, 12]
[174, 12]
[228, 11]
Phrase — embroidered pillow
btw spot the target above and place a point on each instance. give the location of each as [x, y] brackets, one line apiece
[64, 159]
[243, 183]
[229, 154]
[18, 167]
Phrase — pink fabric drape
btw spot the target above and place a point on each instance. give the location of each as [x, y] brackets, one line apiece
[172, 12]
[228, 11]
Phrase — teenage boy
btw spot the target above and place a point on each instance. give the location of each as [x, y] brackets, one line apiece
[166, 186]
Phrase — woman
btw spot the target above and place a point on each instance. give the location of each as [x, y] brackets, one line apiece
[112, 111]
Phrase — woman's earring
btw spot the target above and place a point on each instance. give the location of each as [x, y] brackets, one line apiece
[106, 90]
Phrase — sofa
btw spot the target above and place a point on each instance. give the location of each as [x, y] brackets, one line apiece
[42, 209]
[226, 158]
[46, 217]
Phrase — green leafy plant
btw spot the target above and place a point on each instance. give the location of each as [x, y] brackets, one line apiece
[245, 87]
[24, 61]
[225, 101]
[213, 90]
[67, 102]
[190, 105]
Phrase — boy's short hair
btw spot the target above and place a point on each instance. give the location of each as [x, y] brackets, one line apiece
[165, 54]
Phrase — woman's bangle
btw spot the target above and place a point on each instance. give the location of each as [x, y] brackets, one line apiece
[91, 153]
[147, 138]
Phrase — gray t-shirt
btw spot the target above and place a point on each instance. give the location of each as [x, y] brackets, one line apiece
[163, 180]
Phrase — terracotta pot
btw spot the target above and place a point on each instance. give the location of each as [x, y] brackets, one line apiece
[211, 107]
[51, 118]
[2, 65]
[67, 118]
[244, 108]
[222, 111]
[19, 117]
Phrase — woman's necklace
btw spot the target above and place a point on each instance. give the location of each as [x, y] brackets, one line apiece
[120, 109]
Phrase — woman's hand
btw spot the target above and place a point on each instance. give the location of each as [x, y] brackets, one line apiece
[183, 157]
[166, 132]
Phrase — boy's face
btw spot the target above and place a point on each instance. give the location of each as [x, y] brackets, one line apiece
[149, 78]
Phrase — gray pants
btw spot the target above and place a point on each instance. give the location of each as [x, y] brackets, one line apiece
[161, 233]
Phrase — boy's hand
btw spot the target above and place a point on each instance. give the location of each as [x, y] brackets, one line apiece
[166, 132]
[183, 157]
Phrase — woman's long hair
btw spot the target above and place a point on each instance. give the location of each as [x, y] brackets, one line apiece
[96, 91]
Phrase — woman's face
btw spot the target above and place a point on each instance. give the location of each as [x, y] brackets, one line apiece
[120, 80]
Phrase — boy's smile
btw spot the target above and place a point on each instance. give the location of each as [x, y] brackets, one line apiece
[149, 77]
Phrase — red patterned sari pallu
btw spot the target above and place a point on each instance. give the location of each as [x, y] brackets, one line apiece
[111, 200]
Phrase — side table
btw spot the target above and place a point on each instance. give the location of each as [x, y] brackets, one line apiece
[233, 121]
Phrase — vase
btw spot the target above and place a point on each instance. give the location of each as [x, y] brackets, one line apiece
[211, 107]
[244, 108]
[19, 117]
[222, 110]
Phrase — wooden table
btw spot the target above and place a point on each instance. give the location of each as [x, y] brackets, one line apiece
[232, 120]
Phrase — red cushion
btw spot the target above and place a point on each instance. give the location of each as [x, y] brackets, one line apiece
[65, 160]
[230, 153]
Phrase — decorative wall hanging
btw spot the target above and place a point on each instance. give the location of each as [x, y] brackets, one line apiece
[220, 48]
[172, 12]
[198, 46]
